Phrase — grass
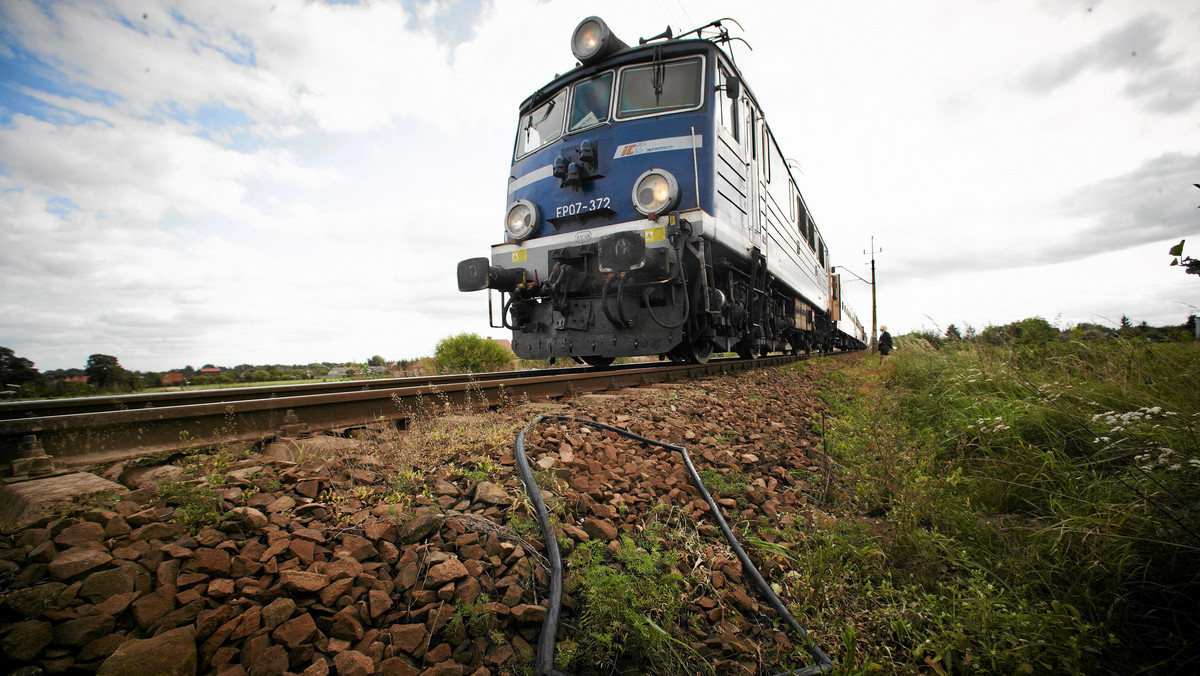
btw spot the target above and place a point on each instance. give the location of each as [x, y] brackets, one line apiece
[1010, 508]
[631, 606]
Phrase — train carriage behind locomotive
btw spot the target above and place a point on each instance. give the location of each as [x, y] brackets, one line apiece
[651, 213]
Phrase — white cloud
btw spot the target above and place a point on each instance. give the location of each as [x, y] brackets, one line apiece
[285, 181]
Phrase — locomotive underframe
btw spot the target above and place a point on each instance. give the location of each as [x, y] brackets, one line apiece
[683, 296]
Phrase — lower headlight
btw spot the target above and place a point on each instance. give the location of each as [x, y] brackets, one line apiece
[522, 220]
[655, 192]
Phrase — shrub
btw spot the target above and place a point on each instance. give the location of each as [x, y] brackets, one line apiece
[468, 353]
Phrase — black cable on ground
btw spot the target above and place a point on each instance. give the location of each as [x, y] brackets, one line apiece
[544, 661]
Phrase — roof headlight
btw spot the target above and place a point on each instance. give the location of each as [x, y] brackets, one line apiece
[655, 192]
[593, 40]
[522, 220]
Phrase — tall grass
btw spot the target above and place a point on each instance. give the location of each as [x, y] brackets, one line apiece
[1081, 462]
[1039, 502]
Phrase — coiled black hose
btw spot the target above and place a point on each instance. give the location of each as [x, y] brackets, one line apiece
[544, 661]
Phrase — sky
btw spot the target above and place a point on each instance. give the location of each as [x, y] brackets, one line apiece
[287, 181]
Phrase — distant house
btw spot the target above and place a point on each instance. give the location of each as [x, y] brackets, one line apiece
[341, 372]
[172, 379]
[506, 344]
[210, 371]
[75, 379]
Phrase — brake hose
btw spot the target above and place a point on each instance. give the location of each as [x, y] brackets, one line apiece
[544, 660]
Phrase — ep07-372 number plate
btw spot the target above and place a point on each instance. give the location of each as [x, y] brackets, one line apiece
[582, 207]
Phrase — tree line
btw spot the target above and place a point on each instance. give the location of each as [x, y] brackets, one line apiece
[103, 374]
[1036, 330]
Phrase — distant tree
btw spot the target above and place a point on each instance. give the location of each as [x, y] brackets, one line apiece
[1125, 323]
[16, 370]
[1190, 265]
[952, 333]
[188, 371]
[376, 361]
[104, 371]
[468, 353]
[1032, 331]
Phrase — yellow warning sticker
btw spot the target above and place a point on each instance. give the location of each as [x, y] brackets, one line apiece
[656, 234]
[518, 256]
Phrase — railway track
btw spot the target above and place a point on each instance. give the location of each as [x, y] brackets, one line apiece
[103, 429]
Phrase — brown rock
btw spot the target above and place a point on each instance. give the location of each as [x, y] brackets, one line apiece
[116, 604]
[336, 590]
[527, 613]
[280, 504]
[220, 587]
[271, 662]
[491, 494]
[353, 663]
[215, 562]
[440, 653]
[303, 549]
[386, 530]
[25, 640]
[77, 560]
[80, 534]
[498, 655]
[157, 531]
[33, 601]
[396, 666]
[303, 581]
[442, 573]
[599, 529]
[250, 518]
[116, 527]
[418, 528]
[357, 547]
[346, 625]
[83, 630]
[295, 631]
[101, 647]
[107, 583]
[277, 612]
[408, 637]
[153, 607]
[378, 603]
[341, 567]
[171, 653]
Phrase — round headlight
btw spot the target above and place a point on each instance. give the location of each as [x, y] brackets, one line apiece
[655, 192]
[522, 220]
[592, 40]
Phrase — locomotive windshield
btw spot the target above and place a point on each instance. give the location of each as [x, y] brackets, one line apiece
[589, 107]
[543, 125]
[660, 87]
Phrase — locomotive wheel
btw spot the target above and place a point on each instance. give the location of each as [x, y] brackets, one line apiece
[701, 351]
[748, 352]
[597, 361]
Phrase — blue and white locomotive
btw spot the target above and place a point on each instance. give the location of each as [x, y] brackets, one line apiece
[652, 213]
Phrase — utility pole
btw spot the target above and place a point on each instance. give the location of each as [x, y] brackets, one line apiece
[874, 319]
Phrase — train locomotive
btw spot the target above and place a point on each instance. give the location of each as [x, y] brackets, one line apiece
[651, 212]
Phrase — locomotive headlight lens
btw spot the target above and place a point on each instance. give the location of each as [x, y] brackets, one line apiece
[522, 220]
[592, 40]
[655, 192]
[588, 37]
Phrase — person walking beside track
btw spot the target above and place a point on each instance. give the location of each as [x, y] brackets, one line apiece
[885, 345]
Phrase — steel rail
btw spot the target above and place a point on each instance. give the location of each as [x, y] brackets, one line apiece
[104, 436]
[15, 410]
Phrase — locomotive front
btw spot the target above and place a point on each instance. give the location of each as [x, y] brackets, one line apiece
[604, 177]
